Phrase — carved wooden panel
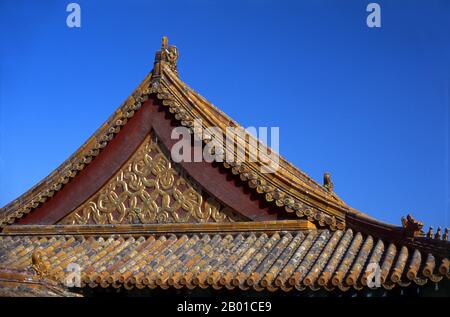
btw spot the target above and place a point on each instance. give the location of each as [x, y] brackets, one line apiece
[149, 189]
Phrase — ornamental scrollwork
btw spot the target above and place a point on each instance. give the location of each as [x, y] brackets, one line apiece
[148, 189]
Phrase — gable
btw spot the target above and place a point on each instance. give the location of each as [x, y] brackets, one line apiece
[150, 188]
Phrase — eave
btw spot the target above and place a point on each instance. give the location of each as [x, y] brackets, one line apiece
[275, 260]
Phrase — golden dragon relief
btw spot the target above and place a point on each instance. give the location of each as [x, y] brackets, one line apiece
[148, 189]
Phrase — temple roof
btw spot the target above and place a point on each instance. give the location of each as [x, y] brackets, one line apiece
[121, 197]
[288, 187]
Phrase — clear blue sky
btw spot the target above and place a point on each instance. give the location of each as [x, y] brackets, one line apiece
[371, 106]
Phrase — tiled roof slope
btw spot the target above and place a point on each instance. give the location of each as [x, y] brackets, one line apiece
[280, 260]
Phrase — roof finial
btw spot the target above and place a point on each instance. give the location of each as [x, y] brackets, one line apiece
[169, 54]
[413, 228]
[327, 183]
[430, 232]
[437, 236]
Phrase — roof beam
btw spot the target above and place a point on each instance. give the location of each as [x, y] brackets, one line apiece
[143, 229]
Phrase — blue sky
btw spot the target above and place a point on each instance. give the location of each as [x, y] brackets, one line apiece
[371, 106]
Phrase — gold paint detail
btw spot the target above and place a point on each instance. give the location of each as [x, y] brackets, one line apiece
[148, 189]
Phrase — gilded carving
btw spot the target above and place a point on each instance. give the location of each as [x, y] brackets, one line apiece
[148, 189]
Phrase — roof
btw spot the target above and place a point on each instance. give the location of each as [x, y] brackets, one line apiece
[276, 260]
[121, 198]
[288, 187]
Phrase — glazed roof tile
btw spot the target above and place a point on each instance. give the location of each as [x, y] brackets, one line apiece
[274, 261]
